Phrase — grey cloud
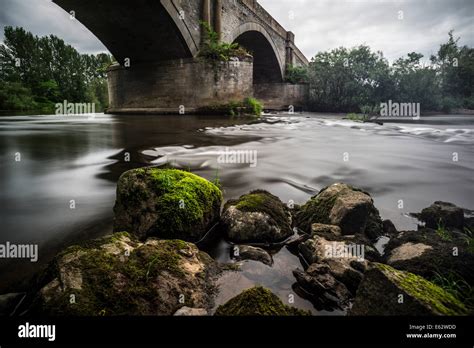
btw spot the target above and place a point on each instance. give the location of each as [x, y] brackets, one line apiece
[322, 25]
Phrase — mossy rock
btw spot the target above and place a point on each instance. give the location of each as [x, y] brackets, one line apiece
[257, 301]
[342, 205]
[120, 276]
[386, 291]
[442, 214]
[429, 253]
[166, 203]
[258, 217]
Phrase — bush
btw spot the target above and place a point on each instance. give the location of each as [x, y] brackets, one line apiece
[296, 74]
[249, 106]
[254, 106]
[468, 103]
[14, 96]
[448, 104]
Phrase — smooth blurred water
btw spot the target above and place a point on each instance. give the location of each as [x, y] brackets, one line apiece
[80, 159]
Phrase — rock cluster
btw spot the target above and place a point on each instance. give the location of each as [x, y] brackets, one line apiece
[155, 269]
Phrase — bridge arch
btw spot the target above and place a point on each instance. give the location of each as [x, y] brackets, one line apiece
[184, 28]
[268, 65]
[147, 31]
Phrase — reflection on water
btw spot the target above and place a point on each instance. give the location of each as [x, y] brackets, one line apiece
[79, 159]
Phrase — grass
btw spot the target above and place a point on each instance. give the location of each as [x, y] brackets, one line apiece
[457, 286]
[469, 240]
[442, 232]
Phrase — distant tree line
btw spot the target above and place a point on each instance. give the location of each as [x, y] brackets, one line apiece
[349, 80]
[38, 72]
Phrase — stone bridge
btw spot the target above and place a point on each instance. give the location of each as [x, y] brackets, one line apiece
[157, 42]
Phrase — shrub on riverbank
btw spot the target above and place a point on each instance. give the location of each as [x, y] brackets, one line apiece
[343, 79]
[247, 107]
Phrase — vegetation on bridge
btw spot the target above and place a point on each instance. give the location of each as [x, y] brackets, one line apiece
[215, 50]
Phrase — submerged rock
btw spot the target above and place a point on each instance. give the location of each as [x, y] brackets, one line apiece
[322, 288]
[257, 301]
[430, 253]
[247, 252]
[166, 203]
[257, 217]
[386, 291]
[118, 275]
[344, 206]
[8, 303]
[442, 214]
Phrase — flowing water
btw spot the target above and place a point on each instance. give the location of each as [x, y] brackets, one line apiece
[50, 164]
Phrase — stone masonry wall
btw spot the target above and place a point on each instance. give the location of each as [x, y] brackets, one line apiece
[165, 87]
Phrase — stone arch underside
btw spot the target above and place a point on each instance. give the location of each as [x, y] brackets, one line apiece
[142, 30]
[268, 67]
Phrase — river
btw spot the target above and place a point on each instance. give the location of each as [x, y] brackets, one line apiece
[58, 174]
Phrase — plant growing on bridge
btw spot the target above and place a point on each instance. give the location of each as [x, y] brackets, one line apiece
[215, 50]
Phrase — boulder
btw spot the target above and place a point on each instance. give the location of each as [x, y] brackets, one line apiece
[349, 208]
[389, 228]
[166, 203]
[386, 291]
[258, 217]
[344, 261]
[121, 276]
[247, 252]
[257, 301]
[318, 250]
[190, 312]
[442, 214]
[430, 253]
[322, 229]
[322, 288]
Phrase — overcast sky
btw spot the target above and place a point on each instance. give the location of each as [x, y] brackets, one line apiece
[319, 25]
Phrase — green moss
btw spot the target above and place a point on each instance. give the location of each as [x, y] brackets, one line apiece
[425, 291]
[184, 201]
[101, 271]
[317, 209]
[257, 301]
[264, 202]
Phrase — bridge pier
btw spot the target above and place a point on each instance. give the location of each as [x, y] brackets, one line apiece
[177, 87]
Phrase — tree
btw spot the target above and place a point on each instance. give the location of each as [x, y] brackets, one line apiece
[51, 71]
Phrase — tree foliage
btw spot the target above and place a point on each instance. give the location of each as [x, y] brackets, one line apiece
[37, 72]
[344, 80]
